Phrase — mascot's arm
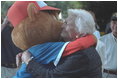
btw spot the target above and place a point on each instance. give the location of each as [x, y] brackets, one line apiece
[79, 44]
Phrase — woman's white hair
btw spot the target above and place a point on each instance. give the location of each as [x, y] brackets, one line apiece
[84, 21]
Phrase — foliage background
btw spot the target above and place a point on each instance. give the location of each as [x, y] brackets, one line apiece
[102, 9]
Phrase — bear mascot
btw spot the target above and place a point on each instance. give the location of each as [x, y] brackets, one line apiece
[37, 30]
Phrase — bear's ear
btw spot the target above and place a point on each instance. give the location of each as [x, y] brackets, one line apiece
[32, 11]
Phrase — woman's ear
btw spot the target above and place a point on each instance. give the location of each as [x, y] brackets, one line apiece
[32, 11]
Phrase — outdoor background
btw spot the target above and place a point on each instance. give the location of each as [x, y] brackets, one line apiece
[103, 9]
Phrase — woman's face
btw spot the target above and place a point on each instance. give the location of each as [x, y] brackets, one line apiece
[69, 31]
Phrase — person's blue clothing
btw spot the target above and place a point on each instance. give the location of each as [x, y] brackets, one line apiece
[44, 54]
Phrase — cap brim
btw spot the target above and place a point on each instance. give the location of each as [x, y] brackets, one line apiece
[49, 8]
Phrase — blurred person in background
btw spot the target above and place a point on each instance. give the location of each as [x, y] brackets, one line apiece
[109, 52]
[8, 51]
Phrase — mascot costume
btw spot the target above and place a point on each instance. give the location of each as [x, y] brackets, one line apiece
[37, 30]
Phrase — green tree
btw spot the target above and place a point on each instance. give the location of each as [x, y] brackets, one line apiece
[65, 5]
[5, 5]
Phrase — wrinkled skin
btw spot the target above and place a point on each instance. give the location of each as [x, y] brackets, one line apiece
[69, 31]
[43, 28]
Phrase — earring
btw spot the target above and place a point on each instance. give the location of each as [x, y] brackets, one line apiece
[76, 36]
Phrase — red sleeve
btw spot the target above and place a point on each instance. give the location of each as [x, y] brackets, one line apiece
[79, 44]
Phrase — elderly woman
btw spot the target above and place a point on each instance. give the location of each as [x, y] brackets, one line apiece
[84, 63]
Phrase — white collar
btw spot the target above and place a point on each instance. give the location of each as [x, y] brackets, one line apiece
[114, 37]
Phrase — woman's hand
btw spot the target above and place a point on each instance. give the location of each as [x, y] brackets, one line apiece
[26, 57]
[18, 59]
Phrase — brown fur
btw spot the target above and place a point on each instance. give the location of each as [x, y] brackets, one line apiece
[38, 28]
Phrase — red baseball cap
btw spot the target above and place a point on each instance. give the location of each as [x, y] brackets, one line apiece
[18, 11]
